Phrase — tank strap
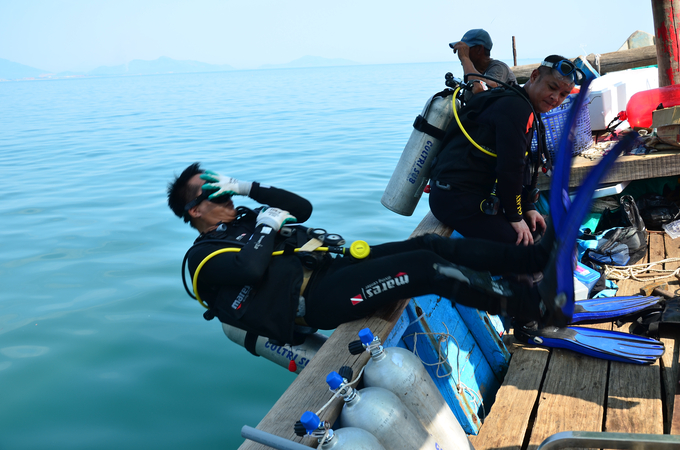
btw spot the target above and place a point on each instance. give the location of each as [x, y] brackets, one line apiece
[421, 124]
[250, 341]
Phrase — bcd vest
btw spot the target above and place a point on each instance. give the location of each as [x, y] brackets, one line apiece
[268, 307]
[460, 163]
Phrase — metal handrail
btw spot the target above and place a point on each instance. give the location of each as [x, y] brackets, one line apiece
[594, 439]
[270, 440]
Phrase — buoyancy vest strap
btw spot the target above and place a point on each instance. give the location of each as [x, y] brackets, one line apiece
[421, 124]
[288, 249]
[250, 341]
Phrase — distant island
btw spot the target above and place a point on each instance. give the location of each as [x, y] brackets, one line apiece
[160, 65]
[11, 71]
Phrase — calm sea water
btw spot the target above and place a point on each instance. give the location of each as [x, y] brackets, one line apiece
[100, 347]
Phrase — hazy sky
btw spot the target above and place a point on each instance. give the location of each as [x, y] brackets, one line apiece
[80, 35]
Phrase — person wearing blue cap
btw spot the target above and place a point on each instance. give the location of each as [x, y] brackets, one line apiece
[474, 52]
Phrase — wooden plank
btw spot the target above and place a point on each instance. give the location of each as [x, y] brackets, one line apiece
[624, 59]
[670, 361]
[657, 250]
[309, 390]
[506, 425]
[634, 393]
[675, 423]
[573, 395]
[609, 62]
[672, 248]
[669, 378]
[626, 168]
[430, 224]
[634, 400]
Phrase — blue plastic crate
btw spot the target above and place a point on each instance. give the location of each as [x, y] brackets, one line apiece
[450, 347]
[554, 124]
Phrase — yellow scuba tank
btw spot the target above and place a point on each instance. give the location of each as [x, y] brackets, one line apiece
[413, 169]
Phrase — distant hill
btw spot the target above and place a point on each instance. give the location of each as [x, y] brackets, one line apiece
[160, 65]
[312, 61]
[14, 71]
[10, 70]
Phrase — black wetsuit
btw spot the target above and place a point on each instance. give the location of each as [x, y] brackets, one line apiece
[463, 176]
[260, 293]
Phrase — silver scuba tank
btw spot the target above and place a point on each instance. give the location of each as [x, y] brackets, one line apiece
[413, 169]
[294, 358]
[350, 438]
[382, 414]
[402, 373]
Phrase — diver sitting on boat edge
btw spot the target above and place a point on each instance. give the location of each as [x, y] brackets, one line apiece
[483, 181]
[244, 285]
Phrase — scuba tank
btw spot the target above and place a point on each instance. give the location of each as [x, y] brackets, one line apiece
[382, 414]
[350, 438]
[292, 357]
[413, 169]
[401, 372]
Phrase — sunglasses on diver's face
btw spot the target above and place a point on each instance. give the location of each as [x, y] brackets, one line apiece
[204, 196]
[567, 68]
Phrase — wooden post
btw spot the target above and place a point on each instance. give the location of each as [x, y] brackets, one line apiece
[514, 51]
[666, 26]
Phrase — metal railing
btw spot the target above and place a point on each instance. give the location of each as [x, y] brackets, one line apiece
[592, 439]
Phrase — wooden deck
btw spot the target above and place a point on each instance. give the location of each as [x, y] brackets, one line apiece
[544, 392]
[549, 391]
[627, 168]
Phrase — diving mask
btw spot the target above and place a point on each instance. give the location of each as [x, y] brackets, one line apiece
[224, 198]
[567, 69]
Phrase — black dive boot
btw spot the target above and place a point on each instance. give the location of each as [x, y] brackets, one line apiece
[546, 245]
[496, 295]
[552, 302]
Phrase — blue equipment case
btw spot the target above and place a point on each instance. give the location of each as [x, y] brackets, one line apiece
[473, 356]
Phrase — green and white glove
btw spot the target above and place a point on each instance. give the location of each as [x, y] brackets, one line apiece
[224, 185]
[274, 218]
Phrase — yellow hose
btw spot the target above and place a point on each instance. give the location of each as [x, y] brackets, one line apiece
[460, 125]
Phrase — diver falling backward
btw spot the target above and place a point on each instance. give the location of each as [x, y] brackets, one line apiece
[268, 295]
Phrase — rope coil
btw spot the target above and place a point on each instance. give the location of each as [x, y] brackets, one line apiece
[636, 271]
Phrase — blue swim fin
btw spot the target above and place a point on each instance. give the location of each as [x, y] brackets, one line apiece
[608, 309]
[603, 344]
[557, 288]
